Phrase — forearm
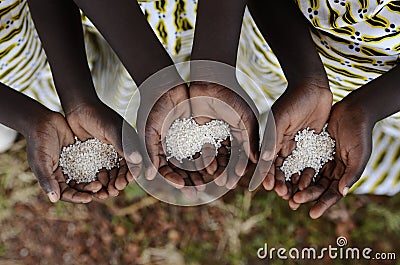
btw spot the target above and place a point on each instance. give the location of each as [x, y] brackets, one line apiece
[379, 98]
[126, 29]
[217, 31]
[19, 111]
[60, 29]
[287, 33]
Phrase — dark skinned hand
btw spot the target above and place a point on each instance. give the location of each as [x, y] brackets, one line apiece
[160, 118]
[351, 128]
[305, 104]
[96, 120]
[44, 143]
[207, 103]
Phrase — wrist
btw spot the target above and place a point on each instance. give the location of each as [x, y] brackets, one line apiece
[311, 83]
[159, 83]
[354, 108]
[75, 101]
[212, 72]
[314, 75]
[36, 121]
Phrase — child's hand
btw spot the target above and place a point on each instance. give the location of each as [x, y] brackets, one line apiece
[153, 123]
[351, 127]
[96, 120]
[45, 140]
[242, 121]
[306, 104]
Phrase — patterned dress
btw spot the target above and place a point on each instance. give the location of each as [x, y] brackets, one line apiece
[358, 40]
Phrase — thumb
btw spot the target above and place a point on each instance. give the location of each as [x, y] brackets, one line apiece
[270, 139]
[351, 175]
[50, 185]
[45, 172]
[131, 144]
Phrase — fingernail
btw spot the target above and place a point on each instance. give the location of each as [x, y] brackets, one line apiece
[150, 173]
[135, 158]
[345, 191]
[267, 156]
[52, 196]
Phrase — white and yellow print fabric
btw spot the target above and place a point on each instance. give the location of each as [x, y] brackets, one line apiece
[358, 40]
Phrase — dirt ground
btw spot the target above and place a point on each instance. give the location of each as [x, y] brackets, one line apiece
[134, 228]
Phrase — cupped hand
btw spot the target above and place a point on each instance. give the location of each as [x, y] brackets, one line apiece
[96, 120]
[155, 114]
[351, 128]
[306, 104]
[214, 101]
[45, 140]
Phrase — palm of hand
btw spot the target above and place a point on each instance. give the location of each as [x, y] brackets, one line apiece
[353, 134]
[298, 109]
[99, 121]
[218, 102]
[306, 105]
[151, 122]
[44, 145]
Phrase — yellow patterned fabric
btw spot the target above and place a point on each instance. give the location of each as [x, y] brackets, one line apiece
[23, 64]
[358, 40]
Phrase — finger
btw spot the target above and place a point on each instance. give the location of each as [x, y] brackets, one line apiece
[121, 182]
[103, 177]
[235, 159]
[112, 190]
[329, 198]
[153, 149]
[221, 176]
[93, 186]
[135, 170]
[51, 187]
[287, 148]
[131, 143]
[198, 181]
[207, 177]
[176, 180]
[189, 191]
[42, 166]
[101, 194]
[208, 158]
[306, 178]
[69, 194]
[241, 164]
[182, 173]
[133, 156]
[295, 179]
[280, 183]
[351, 175]
[269, 181]
[279, 161]
[313, 192]
[293, 205]
[232, 181]
[251, 137]
[269, 143]
[290, 191]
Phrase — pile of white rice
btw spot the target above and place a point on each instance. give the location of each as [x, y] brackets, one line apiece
[312, 151]
[81, 161]
[185, 137]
